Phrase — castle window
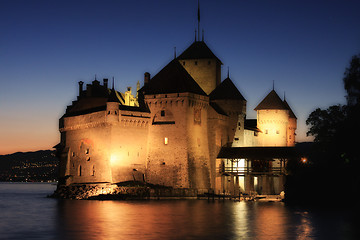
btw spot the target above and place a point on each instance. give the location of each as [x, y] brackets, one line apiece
[115, 112]
[236, 139]
[162, 113]
[108, 112]
[92, 172]
[88, 159]
[266, 131]
[184, 63]
[165, 96]
[79, 170]
[73, 154]
[166, 141]
[277, 131]
[87, 151]
[195, 62]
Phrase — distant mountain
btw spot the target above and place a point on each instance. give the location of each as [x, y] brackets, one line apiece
[39, 166]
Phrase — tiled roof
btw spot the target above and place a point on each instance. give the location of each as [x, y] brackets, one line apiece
[226, 90]
[173, 78]
[291, 113]
[198, 50]
[272, 101]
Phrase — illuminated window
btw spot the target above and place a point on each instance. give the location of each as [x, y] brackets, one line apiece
[166, 140]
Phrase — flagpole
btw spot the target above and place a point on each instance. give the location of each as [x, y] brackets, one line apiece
[198, 20]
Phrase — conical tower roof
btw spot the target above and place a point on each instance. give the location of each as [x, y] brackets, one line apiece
[291, 113]
[272, 101]
[198, 50]
[173, 78]
[226, 90]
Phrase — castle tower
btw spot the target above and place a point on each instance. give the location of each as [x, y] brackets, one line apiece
[178, 153]
[291, 127]
[229, 99]
[273, 120]
[203, 66]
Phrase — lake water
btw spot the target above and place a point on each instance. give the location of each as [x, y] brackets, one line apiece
[26, 213]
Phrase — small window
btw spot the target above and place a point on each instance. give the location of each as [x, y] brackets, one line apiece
[209, 62]
[92, 172]
[236, 139]
[108, 112]
[184, 63]
[79, 170]
[266, 131]
[255, 134]
[277, 131]
[73, 154]
[166, 141]
[88, 159]
[195, 62]
[162, 113]
[87, 151]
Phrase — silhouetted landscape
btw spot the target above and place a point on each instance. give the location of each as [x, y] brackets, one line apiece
[39, 166]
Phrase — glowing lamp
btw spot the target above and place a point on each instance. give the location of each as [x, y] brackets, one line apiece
[113, 159]
[303, 159]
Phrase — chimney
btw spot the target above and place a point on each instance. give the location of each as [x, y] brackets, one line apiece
[106, 82]
[146, 78]
[81, 83]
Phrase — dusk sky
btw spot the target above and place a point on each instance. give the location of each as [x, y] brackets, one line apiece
[46, 47]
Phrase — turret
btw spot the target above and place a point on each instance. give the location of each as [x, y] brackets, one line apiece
[272, 120]
[112, 107]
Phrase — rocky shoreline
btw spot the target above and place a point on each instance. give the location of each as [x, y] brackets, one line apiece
[116, 192]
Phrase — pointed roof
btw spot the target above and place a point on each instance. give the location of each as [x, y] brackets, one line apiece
[226, 90]
[272, 101]
[198, 50]
[173, 78]
[115, 97]
[291, 113]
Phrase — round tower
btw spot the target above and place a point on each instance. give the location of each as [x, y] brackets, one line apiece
[273, 121]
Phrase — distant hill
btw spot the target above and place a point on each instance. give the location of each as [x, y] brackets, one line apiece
[39, 166]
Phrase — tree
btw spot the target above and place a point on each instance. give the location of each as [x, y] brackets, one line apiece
[324, 124]
[352, 81]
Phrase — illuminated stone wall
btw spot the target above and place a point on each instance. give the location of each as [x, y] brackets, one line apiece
[178, 152]
[206, 72]
[273, 125]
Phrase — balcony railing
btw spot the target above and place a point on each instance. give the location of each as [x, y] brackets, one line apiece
[242, 171]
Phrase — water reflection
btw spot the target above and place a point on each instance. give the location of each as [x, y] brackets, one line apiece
[178, 220]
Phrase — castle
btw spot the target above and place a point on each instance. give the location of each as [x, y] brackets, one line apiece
[184, 128]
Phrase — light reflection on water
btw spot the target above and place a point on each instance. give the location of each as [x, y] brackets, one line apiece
[37, 217]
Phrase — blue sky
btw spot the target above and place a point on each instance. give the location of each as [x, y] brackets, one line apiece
[46, 47]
